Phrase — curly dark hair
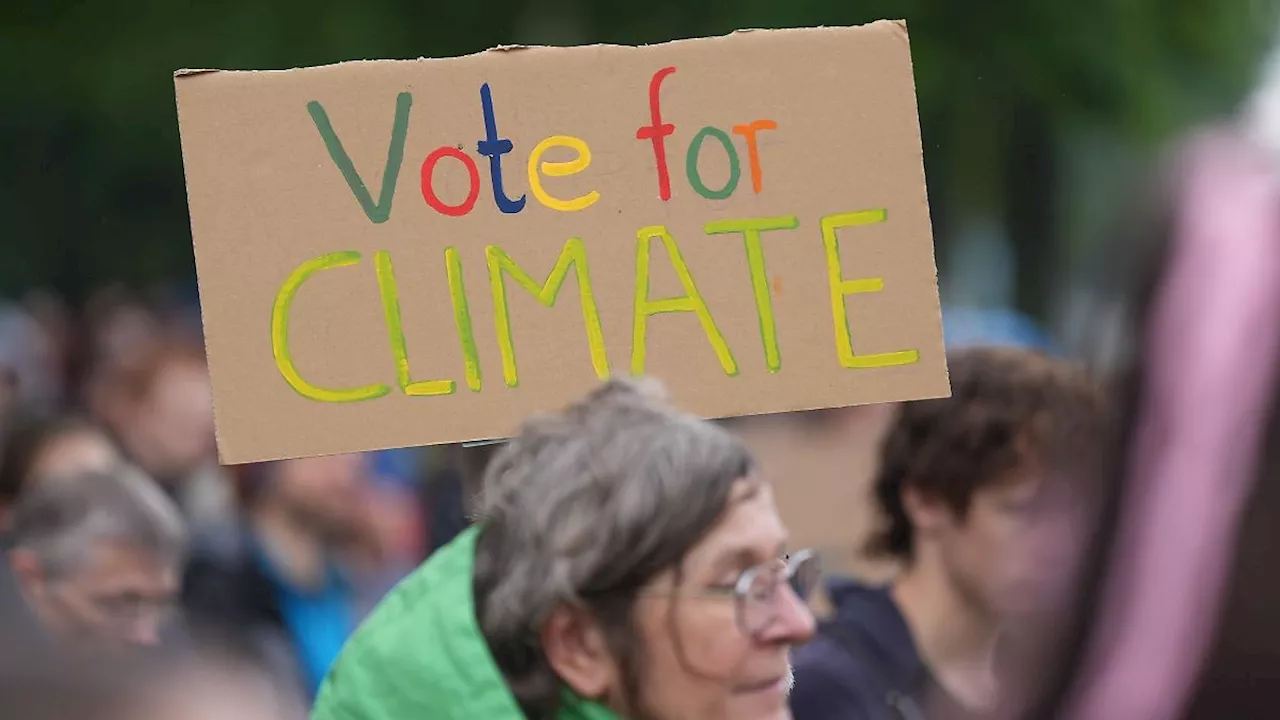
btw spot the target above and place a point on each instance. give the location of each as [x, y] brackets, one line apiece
[1010, 409]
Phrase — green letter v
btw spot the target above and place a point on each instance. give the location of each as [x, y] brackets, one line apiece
[378, 212]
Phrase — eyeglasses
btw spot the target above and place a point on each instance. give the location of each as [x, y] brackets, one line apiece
[127, 610]
[756, 593]
[130, 608]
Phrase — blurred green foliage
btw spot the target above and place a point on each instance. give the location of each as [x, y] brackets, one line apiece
[92, 178]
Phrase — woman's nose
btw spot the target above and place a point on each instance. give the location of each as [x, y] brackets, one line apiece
[793, 620]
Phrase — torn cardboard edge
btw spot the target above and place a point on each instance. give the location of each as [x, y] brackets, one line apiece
[901, 25]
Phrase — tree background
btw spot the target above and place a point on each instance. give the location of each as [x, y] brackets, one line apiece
[1036, 114]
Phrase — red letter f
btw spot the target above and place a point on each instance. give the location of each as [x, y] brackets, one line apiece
[656, 130]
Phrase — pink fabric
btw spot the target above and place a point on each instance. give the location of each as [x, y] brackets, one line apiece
[1213, 349]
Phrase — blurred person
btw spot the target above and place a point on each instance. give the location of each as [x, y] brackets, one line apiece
[199, 682]
[162, 417]
[19, 626]
[282, 577]
[97, 556]
[36, 445]
[8, 393]
[123, 328]
[397, 518]
[626, 562]
[121, 333]
[452, 487]
[34, 686]
[28, 374]
[59, 325]
[981, 494]
[391, 543]
[831, 455]
[1182, 619]
[213, 679]
[166, 418]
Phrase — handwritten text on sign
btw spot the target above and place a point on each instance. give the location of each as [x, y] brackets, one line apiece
[765, 172]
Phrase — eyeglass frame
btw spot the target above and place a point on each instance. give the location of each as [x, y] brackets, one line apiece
[120, 610]
[740, 592]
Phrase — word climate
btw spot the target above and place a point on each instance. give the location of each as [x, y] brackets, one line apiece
[502, 268]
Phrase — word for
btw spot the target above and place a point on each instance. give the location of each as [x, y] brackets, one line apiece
[573, 257]
[494, 147]
[656, 131]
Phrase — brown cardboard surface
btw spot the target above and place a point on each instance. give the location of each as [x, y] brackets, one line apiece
[268, 200]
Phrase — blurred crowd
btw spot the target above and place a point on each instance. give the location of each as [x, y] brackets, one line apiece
[119, 521]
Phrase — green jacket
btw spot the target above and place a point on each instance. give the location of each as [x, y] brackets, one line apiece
[420, 655]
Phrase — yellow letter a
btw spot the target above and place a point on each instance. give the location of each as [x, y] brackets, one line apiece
[691, 301]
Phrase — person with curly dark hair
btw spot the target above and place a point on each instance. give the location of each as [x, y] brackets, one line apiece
[980, 495]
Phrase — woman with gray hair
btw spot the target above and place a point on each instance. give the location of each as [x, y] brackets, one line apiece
[627, 562]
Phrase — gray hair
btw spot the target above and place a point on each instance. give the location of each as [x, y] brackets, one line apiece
[62, 517]
[584, 507]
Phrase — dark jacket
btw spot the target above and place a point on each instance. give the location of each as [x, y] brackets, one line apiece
[862, 664]
[226, 593]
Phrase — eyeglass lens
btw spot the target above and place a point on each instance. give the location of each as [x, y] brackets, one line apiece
[758, 602]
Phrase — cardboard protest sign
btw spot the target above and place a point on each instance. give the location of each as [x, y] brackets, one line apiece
[397, 253]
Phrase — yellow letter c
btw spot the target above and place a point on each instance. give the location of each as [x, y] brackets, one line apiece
[280, 334]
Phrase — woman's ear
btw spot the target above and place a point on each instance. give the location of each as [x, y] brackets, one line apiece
[575, 647]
